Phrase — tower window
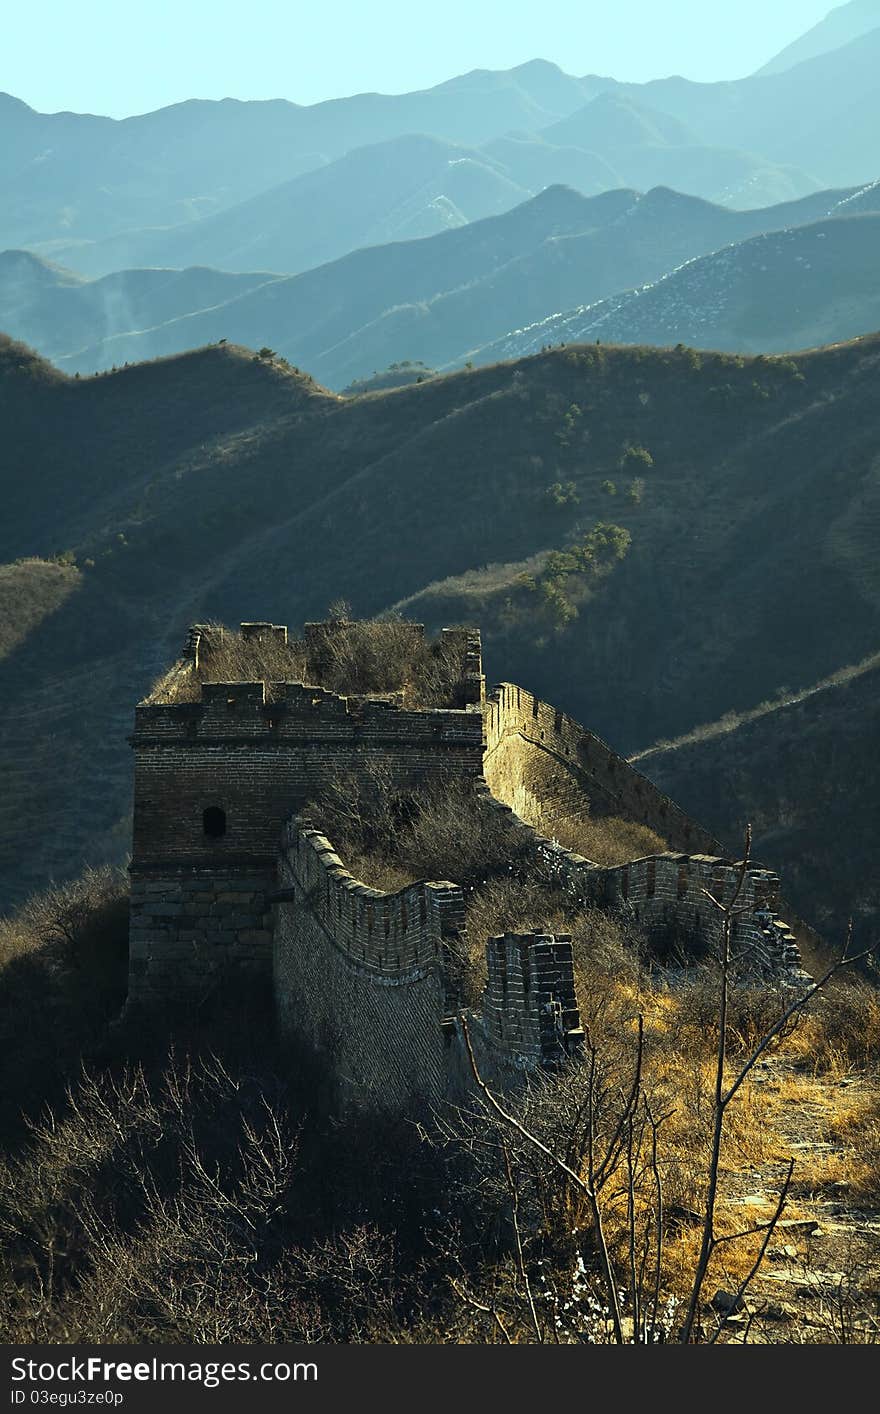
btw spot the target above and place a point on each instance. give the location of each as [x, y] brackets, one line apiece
[214, 822]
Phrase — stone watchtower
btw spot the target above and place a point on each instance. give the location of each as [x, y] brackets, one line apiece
[221, 765]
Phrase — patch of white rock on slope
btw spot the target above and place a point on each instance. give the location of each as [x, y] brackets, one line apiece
[694, 297]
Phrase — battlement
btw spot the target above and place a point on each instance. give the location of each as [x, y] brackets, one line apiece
[392, 934]
[389, 659]
[226, 710]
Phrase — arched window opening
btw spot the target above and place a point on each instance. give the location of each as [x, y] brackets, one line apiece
[214, 822]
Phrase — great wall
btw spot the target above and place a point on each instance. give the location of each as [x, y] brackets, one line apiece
[227, 880]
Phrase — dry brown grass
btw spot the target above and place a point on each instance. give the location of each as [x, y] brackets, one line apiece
[375, 656]
[604, 839]
[841, 1032]
[370, 657]
[225, 656]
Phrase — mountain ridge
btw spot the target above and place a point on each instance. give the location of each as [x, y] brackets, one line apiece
[220, 483]
[441, 299]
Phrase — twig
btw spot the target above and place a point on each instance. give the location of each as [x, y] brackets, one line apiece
[520, 1258]
[750, 1275]
[586, 1189]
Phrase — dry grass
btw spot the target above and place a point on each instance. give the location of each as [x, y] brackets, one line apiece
[375, 656]
[72, 1203]
[372, 657]
[604, 839]
[841, 1033]
[224, 656]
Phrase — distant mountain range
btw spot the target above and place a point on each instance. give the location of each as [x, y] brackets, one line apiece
[622, 267]
[276, 186]
[412, 185]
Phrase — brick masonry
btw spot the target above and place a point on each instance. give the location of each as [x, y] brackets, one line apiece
[523, 734]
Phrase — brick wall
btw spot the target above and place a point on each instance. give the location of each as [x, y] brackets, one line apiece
[360, 977]
[247, 759]
[194, 928]
[665, 893]
[259, 760]
[523, 734]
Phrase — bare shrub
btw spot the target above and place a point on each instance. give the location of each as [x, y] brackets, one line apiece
[452, 834]
[441, 830]
[371, 656]
[751, 1012]
[149, 1209]
[81, 923]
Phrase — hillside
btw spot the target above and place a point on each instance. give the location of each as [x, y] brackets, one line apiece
[778, 292]
[805, 772]
[224, 485]
[435, 299]
[62, 313]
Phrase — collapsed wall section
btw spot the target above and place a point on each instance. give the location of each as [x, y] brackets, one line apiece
[525, 737]
[528, 1019]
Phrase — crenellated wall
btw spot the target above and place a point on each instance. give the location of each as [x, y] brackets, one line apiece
[365, 981]
[667, 895]
[672, 895]
[525, 735]
[360, 978]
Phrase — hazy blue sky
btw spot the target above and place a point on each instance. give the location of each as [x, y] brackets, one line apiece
[130, 56]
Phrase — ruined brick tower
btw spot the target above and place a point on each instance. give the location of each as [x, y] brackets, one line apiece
[216, 777]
